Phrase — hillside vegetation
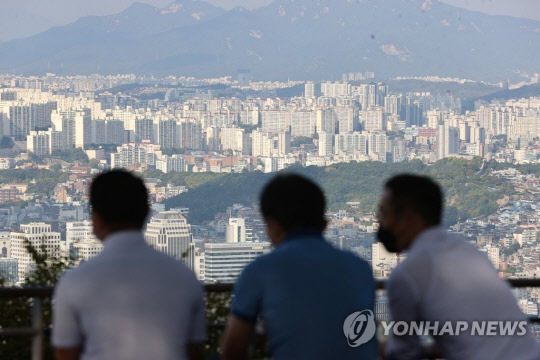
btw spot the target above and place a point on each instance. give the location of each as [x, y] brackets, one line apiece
[469, 190]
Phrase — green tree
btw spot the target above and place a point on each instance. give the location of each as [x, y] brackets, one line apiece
[16, 313]
[512, 249]
[470, 191]
[71, 155]
[248, 129]
[300, 140]
[511, 270]
[6, 142]
[56, 167]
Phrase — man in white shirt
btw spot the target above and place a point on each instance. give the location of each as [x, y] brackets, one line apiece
[130, 302]
[443, 279]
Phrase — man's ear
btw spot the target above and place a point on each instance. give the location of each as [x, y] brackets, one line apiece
[100, 229]
[275, 231]
[324, 225]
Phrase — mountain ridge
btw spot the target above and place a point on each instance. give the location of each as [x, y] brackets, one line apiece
[295, 39]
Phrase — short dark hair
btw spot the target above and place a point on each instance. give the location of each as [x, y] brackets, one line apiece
[419, 193]
[295, 202]
[120, 198]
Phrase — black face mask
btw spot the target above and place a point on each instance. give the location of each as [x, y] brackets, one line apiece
[387, 238]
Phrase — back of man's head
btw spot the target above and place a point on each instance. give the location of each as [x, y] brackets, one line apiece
[120, 199]
[294, 202]
[419, 194]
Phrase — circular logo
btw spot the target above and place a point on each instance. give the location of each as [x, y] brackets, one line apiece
[359, 327]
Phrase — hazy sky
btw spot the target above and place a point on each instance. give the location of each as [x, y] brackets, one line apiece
[20, 18]
[73, 9]
[518, 8]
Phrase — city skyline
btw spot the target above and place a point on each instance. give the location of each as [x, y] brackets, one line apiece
[180, 125]
[206, 147]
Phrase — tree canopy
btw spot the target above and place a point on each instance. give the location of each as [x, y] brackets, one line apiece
[469, 192]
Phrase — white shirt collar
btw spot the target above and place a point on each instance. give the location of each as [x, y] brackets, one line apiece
[426, 238]
[123, 239]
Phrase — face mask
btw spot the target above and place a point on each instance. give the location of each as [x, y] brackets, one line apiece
[387, 238]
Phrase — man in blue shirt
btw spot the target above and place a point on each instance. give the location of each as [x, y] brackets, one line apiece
[316, 301]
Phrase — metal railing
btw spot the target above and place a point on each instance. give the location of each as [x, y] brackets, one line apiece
[37, 330]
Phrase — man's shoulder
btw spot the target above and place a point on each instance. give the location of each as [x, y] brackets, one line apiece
[400, 271]
[352, 262]
[101, 263]
[350, 257]
[282, 255]
[419, 261]
[83, 269]
[448, 245]
[74, 277]
[168, 264]
[263, 261]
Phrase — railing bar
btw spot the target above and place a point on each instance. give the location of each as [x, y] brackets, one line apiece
[18, 332]
[37, 324]
[13, 292]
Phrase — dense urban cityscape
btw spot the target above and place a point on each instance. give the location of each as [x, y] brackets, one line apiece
[74, 127]
[269, 179]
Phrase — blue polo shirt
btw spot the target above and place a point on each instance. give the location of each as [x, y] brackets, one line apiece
[304, 290]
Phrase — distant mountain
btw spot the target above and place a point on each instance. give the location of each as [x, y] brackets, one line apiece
[522, 92]
[17, 24]
[300, 39]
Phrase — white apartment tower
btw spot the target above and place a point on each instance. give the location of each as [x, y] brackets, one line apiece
[447, 141]
[380, 258]
[83, 129]
[347, 118]
[223, 262]
[169, 232]
[378, 145]
[232, 138]
[309, 90]
[174, 162]
[39, 235]
[275, 121]
[493, 254]
[44, 143]
[37, 142]
[303, 123]
[5, 244]
[374, 118]
[77, 231]
[236, 230]
[86, 249]
[325, 144]
[326, 121]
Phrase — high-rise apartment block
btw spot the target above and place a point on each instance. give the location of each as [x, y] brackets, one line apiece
[170, 233]
[447, 141]
[223, 262]
[236, 230]
[41, 237]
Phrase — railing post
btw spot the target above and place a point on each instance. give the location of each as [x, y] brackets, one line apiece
[37, 325]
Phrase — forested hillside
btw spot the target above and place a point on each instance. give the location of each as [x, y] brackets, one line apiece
[470, 191]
